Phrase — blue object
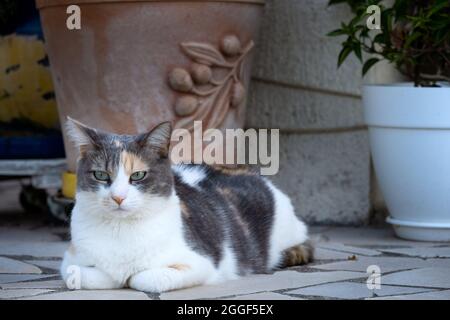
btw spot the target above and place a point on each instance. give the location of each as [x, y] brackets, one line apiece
[31, 27]
[32, 147]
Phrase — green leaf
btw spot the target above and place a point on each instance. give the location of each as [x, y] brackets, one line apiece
[411, 39]
[437, 7]
[414, 35]
[369, 64]
[357, 49]
[331, 2]
[337, 32]
[379, 38]
[343, 55]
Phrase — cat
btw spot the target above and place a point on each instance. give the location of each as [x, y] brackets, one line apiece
[141, 222]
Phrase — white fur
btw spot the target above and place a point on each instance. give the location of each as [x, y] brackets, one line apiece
[287, 229]
[144, 250]
[227, 268]
[190, 175]
[75, 133]
[124, 247]
[121, 186]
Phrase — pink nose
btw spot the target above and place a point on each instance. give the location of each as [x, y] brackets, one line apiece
[118, 200]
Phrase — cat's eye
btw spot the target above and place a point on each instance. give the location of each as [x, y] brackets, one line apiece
[138, 175]
[101, 175]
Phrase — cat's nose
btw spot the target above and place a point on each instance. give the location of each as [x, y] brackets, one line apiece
[117, 199]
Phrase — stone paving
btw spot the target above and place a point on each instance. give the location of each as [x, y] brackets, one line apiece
[30, 255]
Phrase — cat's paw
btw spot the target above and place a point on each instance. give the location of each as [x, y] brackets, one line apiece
[155, 280]
[146, 281]
[89, 278]
[93, 278]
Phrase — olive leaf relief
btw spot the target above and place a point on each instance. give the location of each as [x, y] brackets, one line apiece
[204, 97]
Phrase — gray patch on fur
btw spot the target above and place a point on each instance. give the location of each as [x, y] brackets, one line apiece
[234, 208]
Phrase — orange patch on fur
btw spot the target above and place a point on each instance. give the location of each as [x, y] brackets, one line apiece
[132, 163]
[184, 210]
[235, 171]
[226, 192]
[83, 150]
[229, 195]
[179, 267]
[242, 224]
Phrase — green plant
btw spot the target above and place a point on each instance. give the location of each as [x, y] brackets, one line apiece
[414, 36]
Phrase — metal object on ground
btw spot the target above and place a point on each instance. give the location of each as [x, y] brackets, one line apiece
[41, 195]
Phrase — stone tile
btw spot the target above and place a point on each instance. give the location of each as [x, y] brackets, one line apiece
[15, 266]
[8, 278]
[344, 248]
[264, 296]
[422, 252]
[386, 264]
[325, 254]
[20, 293]
[353, 290]
[35, 249]
[433, 295]
[122, 294]
[28, 234]
[433, 277]
[47, 284]
[331, 183]
[49, 264]
[257, 283]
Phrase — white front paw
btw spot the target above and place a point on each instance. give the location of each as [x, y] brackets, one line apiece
[78, 277]
[72, 276]
[148, 281]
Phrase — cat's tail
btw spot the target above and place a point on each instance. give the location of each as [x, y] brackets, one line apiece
[298, 255]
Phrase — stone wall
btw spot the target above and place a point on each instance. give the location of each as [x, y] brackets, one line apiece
[296, 87]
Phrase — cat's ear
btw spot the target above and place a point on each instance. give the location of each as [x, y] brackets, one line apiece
[81, 135]
[158, 138]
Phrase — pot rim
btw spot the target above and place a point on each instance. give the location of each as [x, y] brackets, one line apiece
[40, 4]
[443, 85]
[403, 106]
[418, 224]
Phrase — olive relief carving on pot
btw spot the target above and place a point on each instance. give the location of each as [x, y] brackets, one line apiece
[212, 84]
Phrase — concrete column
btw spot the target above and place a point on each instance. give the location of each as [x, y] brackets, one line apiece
[296, 87]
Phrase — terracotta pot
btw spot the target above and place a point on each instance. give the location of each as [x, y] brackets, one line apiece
[134, 64]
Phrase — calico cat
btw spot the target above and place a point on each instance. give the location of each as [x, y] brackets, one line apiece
[143, 223]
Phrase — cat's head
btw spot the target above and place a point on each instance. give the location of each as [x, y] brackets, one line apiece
[122, 175]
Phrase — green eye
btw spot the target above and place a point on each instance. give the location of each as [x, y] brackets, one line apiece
[101, 175]
[138, 175]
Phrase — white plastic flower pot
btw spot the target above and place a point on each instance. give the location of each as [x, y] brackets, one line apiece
[409, 130]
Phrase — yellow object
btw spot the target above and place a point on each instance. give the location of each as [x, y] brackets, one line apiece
[26, 89]
[69, 185]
